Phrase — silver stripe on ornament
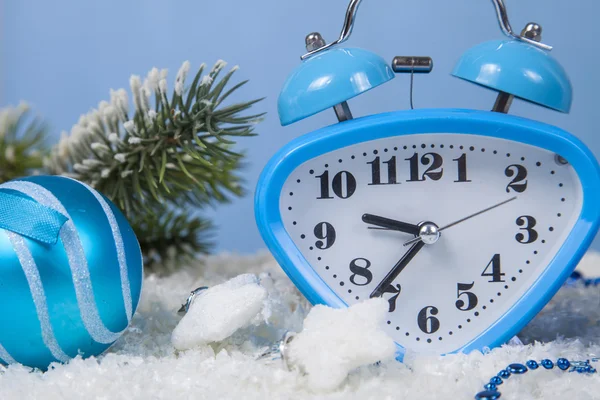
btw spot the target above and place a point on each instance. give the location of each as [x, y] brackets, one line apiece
[6, 357]
[77, 262]
[116, 232]
[38, 295]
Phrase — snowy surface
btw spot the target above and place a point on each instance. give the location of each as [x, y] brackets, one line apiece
[144, 364]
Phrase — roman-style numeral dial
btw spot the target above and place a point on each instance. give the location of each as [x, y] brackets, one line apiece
[450, 229]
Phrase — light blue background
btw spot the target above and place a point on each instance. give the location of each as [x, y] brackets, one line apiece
[64, 56]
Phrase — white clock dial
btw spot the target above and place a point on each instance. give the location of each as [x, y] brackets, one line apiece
[454, 289]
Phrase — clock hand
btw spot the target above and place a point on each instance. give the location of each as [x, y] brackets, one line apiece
[390, 224]
[478, 213]
[464, 219]
[400, 265]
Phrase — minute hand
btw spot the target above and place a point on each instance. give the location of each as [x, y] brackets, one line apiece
[464, 219]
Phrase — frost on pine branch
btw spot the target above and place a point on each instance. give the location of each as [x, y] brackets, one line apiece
[22, 143]
[168, 152]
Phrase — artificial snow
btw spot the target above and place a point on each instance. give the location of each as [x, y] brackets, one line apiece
[333, 342]
[100, 147]
[135, 83]
[129, 126]
[144, 364]
[206, 80]
[113, 137]
[120, 101]
[162, 86]
[9, 153]
[151, 81]
[216, 313]
[180, 79]
[120, 157]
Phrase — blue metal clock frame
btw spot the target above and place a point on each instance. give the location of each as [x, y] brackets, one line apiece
[400, 123]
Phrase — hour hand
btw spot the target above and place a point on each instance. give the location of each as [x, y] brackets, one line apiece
[390, 224]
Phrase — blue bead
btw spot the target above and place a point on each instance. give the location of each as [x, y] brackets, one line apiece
[504, 374]
[576, 275]
[563, 363]
[587, 368]
[532, 364]
[517, 368]
[496, 380]
[487, 395]
[490, 386]
[548, 364]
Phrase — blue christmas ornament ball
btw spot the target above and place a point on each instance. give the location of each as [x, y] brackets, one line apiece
[74, 295]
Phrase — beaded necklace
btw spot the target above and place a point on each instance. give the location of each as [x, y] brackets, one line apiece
[491, 391]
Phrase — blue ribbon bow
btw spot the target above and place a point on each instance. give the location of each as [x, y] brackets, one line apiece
[29, 218]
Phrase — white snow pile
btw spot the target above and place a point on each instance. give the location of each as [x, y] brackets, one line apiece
[214, 351]
[333, 342]
[216, 313]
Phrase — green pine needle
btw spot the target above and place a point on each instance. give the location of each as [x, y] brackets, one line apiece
[22, 143]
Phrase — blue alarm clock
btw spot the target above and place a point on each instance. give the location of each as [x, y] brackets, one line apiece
[467, 222]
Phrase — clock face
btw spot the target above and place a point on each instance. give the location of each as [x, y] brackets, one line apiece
[452, 290]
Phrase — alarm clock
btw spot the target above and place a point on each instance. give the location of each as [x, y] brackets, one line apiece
[466, 221]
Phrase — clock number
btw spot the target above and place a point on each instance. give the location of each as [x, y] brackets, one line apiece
[471, 297]
[362, 272]
[528, 223]
[462, 168]
[343, 185]
[496, 273]
[324, 231]
[324, 185]
[426, 320]
[376, 171]
[392, 300]
[519, 183]
[434, 172]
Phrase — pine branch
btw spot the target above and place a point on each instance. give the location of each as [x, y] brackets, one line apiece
[170, 239]
[171, 153]
[176, 150]
[22, 143]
